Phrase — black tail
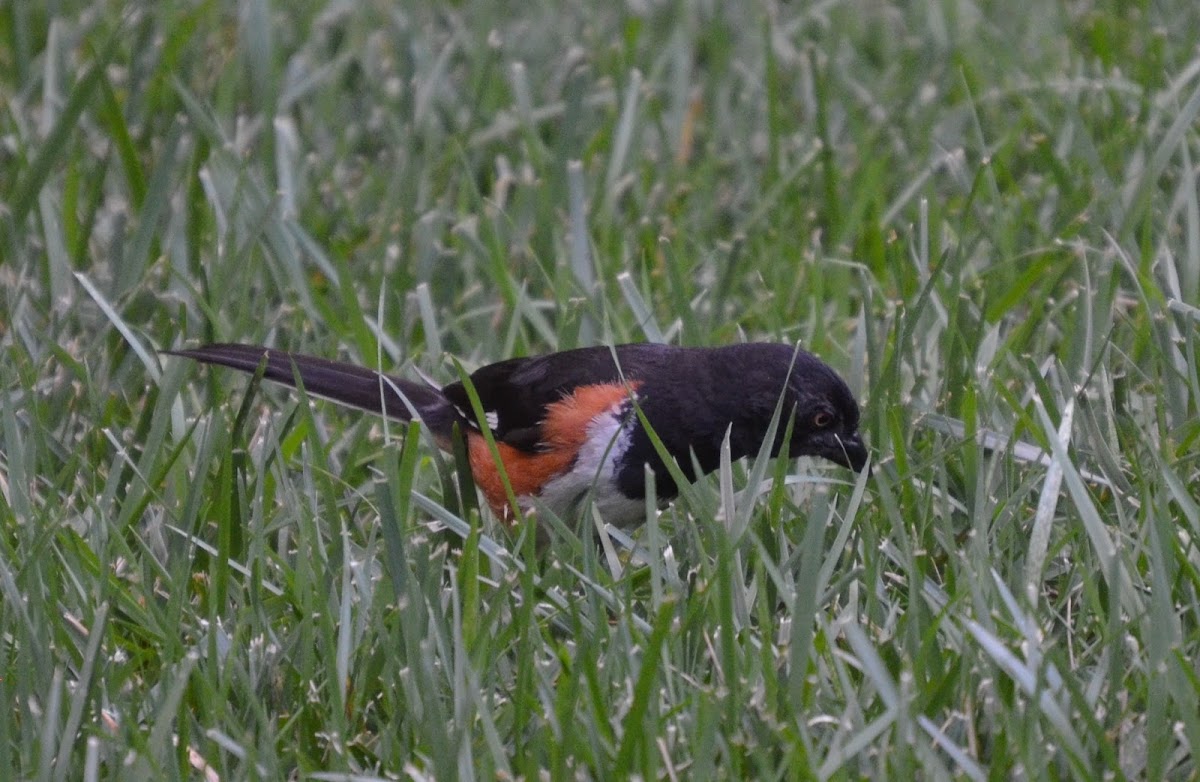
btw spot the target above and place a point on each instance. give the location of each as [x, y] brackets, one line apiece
[351, 385]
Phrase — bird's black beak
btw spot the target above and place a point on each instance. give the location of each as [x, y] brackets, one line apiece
[844, 449]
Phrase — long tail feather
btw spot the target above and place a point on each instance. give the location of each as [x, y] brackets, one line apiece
[348, 384]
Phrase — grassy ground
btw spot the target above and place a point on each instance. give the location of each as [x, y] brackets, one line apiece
[984, 214]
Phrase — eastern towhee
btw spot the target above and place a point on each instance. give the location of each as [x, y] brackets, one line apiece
[565, 424]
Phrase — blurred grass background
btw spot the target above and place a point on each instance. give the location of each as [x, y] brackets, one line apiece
[984, 214]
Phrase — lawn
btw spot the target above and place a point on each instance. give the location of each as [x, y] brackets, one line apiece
[984, 214]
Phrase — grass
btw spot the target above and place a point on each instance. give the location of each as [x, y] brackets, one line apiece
[984, 215]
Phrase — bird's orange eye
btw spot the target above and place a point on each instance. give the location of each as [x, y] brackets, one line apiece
[821, 420]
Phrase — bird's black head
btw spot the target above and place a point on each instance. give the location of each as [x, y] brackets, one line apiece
[826, 415]
[826, 422]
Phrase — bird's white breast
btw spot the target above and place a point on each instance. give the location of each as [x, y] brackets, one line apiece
[595, 471]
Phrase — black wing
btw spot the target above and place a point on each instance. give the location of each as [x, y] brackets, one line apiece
[515, 393]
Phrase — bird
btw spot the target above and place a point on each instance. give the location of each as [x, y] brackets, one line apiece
[565, 425]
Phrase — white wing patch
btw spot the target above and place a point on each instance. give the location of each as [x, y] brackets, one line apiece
[492, 417]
